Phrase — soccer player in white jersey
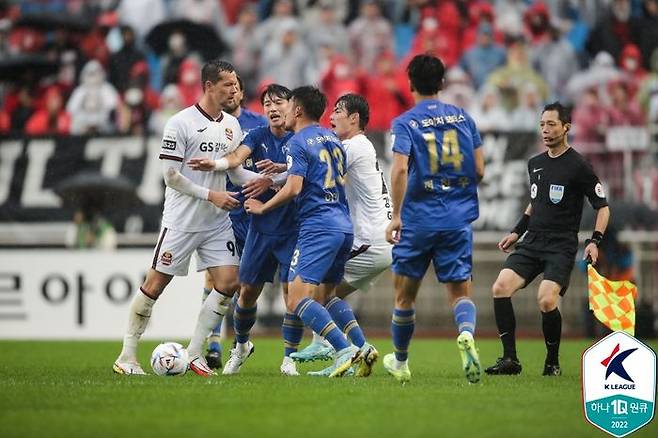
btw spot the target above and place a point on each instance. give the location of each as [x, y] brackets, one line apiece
[195, 216]
[370, 209]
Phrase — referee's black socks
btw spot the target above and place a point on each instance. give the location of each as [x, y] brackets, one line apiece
[506, 323]
[551, 324]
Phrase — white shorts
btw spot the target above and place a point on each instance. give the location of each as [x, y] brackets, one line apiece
[362, 270]
[213, 248]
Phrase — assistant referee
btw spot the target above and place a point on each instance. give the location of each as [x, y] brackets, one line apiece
[560, 178]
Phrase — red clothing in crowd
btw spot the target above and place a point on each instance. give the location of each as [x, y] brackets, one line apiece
[339, 78]
[479, 12]
[386, 93]
[42, 124]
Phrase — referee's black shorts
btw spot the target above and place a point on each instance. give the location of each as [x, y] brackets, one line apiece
[553, 253]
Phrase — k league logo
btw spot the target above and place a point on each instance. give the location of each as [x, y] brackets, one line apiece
[619, 384]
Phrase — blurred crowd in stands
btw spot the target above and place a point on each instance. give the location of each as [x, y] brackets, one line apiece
[115, 66]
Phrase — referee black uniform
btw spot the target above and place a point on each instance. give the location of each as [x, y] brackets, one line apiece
[558, 187]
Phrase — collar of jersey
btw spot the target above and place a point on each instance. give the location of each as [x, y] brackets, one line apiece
[207, 116]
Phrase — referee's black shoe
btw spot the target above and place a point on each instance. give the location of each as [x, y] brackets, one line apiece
[505, 366]
[551, 369]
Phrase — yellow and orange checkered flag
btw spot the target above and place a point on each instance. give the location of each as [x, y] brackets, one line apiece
[613, 302]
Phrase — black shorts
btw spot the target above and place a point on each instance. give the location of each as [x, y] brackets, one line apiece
[554, 254]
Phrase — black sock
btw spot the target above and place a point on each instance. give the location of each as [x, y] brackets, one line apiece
[506, 323]
[551, 324]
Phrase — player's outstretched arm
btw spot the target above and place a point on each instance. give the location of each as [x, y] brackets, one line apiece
[399, 173]
[269, 167]
[592, 244]
[254, 184]
[288, 192]
[230, 161]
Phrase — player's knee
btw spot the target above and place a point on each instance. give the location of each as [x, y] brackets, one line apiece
[404, 302]
[546, 303]
[248, 297]
[154, 284]
[501, 290]
[227, 286]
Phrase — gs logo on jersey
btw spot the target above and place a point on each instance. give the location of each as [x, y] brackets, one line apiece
[555, 193]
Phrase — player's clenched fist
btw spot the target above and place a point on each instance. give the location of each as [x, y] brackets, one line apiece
[223, 200]
[506, 242]
[393, 231]
[253, 206]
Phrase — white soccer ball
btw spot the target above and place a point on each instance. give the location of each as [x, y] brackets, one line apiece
[169, 359]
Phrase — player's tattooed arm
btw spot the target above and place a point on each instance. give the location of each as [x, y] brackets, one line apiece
[230, 161]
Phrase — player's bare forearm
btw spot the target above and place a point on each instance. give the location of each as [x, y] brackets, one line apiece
[528, 210]
[399, 181]
[288, 192]
[602, 218]
[479, 164]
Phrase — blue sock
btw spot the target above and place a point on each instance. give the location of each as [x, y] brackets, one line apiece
[243, 320]
[402, 329]
[316, 317]
[293, 330]
[465, 315]
[342, 314]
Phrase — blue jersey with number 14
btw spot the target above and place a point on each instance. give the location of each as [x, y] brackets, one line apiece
[316, 154]
[440, 141]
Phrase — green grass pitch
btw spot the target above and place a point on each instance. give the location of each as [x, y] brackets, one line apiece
[67, 389]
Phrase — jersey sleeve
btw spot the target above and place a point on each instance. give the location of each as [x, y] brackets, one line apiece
[174, 141]
[401, 138]
[475, 133]
[251, 139]
[237, 137]
[592, 187]
[297, 159]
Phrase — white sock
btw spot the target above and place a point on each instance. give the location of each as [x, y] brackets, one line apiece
[467, 333]
[212, 311]
[138, 318]
[399, 364]
[317, 338]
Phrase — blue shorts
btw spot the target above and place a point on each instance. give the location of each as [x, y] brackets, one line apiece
[263, 253]
[451, 251]
[240, 224]
[320, 256]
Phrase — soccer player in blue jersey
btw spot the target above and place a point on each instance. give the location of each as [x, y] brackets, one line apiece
[437, 165]
[316, 176]
[272, 236]
[248, 120]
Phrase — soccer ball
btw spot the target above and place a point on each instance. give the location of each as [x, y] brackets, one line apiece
[169, 359]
